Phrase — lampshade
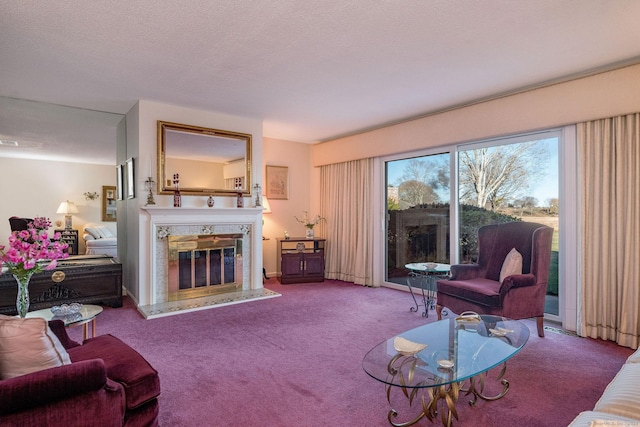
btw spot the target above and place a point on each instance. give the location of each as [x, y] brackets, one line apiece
[266, 208]
[67, 208]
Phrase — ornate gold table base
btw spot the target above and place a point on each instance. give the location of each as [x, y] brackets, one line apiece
[445, 395]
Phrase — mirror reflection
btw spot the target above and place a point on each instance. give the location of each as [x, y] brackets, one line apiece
[207, 161]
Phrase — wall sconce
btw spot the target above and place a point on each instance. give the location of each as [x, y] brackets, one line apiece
[67, 208]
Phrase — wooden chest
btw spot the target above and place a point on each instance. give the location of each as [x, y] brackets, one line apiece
[86, 279]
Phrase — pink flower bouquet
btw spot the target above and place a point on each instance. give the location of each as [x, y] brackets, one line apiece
[30, 251]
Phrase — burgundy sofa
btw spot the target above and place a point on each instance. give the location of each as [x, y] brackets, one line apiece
[107, 384]
[477, 287]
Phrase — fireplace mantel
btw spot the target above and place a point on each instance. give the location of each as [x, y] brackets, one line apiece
[197, 220]
[179, 214]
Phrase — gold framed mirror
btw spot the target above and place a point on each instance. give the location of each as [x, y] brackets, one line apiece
[208, 161]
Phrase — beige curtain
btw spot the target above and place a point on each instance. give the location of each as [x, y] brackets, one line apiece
[346, 203]
[610, 288]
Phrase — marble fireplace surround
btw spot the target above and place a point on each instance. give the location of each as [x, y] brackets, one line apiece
[165, 221]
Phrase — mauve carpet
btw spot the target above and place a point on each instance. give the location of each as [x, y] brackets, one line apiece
[295, 360]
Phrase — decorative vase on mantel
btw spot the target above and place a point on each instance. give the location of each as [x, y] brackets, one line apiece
[309, 233]
[22, 300]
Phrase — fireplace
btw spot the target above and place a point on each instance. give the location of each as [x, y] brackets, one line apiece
[193, 249]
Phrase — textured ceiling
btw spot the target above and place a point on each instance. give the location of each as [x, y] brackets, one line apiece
[311, 71]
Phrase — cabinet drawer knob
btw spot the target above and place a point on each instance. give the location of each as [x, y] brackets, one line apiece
[58, 276]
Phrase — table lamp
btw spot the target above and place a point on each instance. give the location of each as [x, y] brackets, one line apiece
[266, 208]
[67, 208]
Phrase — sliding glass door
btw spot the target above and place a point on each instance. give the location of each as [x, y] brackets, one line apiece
[418, 216]
[514, 179]
[500, 180]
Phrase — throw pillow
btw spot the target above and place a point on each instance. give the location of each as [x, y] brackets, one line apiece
[28, 345]
[512, 265]
[93, 231]
[106, 233]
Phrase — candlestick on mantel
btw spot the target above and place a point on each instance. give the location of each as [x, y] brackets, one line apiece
[149, 184]
[177, 200]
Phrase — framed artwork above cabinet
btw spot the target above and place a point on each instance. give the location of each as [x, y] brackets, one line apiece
[109, 212]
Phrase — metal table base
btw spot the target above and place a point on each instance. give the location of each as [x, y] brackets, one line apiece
[428, 297]
[424, 276]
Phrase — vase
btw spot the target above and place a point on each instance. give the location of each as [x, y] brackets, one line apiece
[22, 300]
[309, 233]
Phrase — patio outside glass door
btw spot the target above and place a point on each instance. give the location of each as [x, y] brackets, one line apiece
[418, 220]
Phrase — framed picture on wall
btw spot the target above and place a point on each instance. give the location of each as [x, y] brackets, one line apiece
[131, 183]
[119, 188]
[277, 182]
[109, 203]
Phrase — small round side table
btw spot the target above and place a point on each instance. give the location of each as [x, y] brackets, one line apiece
[87, 315]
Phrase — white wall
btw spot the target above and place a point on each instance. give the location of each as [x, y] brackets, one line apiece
[33, 188]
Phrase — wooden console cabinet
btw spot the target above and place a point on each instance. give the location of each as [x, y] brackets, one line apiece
[86, 279]
[301, 260]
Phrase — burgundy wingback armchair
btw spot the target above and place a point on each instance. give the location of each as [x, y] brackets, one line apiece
[476, 287]
[107, 384]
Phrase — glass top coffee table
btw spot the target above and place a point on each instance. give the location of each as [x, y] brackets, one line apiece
[459, 352]
[87, 315]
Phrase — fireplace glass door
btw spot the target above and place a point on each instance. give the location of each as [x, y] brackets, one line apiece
[209, 262]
